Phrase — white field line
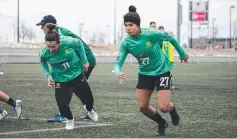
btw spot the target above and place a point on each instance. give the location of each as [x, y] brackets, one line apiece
[43, 119]
[51, 129]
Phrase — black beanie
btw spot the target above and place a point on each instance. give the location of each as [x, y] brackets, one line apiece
[132, 16]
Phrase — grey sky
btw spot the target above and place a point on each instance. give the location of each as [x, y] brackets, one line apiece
[96, 14]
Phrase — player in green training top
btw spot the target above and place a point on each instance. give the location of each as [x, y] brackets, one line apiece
[154, 68]
[68, 61]
[49, 19]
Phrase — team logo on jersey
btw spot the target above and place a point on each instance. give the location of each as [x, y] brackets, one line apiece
[148, 44]
[67, 51]
[58, 85]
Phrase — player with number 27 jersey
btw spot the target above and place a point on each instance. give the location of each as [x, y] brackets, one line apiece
[154, 68]
[146, 48]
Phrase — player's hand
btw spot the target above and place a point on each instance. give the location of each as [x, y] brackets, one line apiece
[185, 60]
[50, 81]
[121, 77]
[85, 67]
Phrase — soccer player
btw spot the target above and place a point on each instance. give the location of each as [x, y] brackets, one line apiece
[67, 59]
[153, 24]
[154, 68]
[49, 19]
[16, 104]
[168, 49]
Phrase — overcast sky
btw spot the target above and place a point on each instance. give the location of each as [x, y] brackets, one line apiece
[96, 14]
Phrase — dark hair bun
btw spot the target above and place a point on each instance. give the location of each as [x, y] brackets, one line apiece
[51, 26]
[132, 8]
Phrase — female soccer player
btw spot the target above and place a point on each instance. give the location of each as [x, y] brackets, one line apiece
[68, 61]
[63, 32]
[154, 68]
[16, 104]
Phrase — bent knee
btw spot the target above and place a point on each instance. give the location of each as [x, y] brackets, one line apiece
[164, 108]
[1, 93]
[142, 108]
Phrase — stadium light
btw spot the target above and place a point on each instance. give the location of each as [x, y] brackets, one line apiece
[213, 31]
[115, 13]
[231, 7]
[179, 19]
[18, 21]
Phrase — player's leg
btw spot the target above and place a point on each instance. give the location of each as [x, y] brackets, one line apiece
[3, 113]
[87, 75]
[63, 98]
[163, 83]
[145, 88]
[143, 99]
[58, 117]
[83, 89]
[16, 104]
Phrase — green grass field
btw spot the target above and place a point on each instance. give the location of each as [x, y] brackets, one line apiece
[206, 102]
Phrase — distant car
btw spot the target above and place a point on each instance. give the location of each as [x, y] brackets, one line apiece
[218, 46]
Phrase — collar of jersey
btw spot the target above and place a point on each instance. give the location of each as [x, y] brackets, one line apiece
[137, 37]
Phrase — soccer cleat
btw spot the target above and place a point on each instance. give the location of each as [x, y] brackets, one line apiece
[70, 124]
[3, 114]
[57, 118]
[174, 117]
[18, 108]
[85, 117]
[161, 129]
[93, 115]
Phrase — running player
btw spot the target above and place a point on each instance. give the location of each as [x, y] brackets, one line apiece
[154, 68]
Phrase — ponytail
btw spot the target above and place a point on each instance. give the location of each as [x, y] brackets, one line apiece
[51, 34]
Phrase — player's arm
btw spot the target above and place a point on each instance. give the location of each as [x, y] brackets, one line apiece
[79, 48]
[44, 65]
[120, 59]
[173, 41]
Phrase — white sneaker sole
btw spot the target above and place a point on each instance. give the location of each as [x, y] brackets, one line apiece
[21, 106]
[69, 128]
[3, 117]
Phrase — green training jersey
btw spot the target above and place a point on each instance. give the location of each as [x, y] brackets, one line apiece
[146, 49]
[67, 63]
[67, 33]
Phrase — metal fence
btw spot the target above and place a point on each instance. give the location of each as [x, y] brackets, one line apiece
[30, 55]
[31, 59]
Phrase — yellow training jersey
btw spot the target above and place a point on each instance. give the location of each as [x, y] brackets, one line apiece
[168, 49]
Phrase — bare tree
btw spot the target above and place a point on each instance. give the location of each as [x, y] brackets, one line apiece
[14, 28]
[101, 37]
[23, 31]
[216, 31]
[31, 35]
[93, 38]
